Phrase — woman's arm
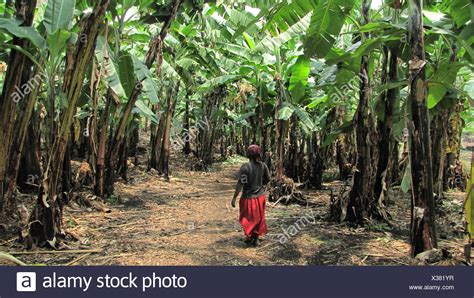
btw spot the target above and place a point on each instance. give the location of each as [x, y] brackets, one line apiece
[238, 189]
[240, 183]
[266, 174]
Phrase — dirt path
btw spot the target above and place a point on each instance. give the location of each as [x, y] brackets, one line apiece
[189, 221]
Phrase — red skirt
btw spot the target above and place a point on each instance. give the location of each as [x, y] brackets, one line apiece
[252, 216]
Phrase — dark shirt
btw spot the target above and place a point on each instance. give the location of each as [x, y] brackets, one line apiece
[253, 176]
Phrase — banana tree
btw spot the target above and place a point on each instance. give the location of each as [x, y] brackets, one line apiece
[48, 210]
[18, 72]
[153, 54]
[423, 235]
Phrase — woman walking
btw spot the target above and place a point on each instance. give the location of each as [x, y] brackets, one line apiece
[253, 176]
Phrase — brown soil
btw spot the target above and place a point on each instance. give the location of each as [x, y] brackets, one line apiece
[189, 221]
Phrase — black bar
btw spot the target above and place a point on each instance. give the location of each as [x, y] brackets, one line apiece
[248, 282]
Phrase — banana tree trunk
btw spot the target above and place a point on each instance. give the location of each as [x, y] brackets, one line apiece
[359, 207]
[48, 210]
[423, 233]
[317, 162]
[158, 135]
[208, 126]
[134, 139]
[439, 135]
[163, 166]
[24, 127]
[66, 177]
[84, 138]
[153, 55]
[262, 140]
[394, 177]
[92, 129]
[99, 187]
[279, 132]
[123, 158]
[28, 170]
[385, 127]
[453, 148]
[156, 146]
[439, 138]
[186, 135]
[10, 96]
[345, 155]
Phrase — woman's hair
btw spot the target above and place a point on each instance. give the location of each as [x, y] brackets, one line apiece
[254, 152]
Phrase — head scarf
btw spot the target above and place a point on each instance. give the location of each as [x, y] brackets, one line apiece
[254, 151]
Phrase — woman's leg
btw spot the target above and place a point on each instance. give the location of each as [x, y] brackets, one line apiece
[252, 218]
[261, 228]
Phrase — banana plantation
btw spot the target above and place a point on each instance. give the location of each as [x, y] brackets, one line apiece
[124, 123]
